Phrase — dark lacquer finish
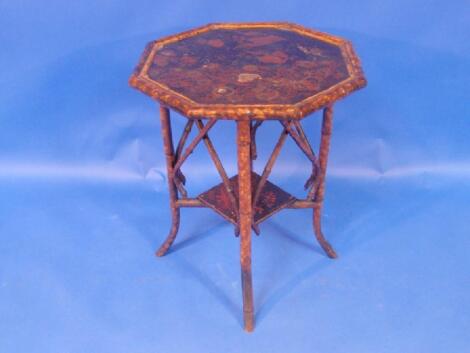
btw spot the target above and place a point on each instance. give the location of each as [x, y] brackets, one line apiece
[247, 72]
[248, 66]
[271, 200]
[258, 70]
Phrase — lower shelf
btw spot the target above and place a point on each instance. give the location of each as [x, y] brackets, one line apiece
[271, 200]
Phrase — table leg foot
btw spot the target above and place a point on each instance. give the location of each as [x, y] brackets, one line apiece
[172, 235]
[247, 292]
[249, 322]
[319, 234]
[248, 315]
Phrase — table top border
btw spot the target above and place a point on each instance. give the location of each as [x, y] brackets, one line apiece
[191, 109]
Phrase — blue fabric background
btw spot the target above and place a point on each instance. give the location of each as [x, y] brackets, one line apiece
[83, 199]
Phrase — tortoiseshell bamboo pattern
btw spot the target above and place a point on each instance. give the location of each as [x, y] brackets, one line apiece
[301, 133]
[193, 144]
[269, 165]
[245, 143]
[301, 140]
[180, 179]
[256, 124]
[245, 207]
[240, 198]
[170, 160]
[319, 190]
[221, 170]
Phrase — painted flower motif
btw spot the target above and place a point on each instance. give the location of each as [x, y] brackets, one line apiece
[215, 43]
[223, 91]
[223, 201]
[277, 57]
[270, 199]
[306, 64]
[211, 66]
[305, 85]
[286, 74]
[247, 77]
[256, 66]
[267, 94]
[258, 210]
[250, 68]
[188, 60]
[311, 51]
[257, 40]
[167, 52]
[161, 60]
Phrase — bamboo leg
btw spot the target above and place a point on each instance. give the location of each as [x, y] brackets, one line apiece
[254, 154]
[320, 189]
[298, 140]
[245, 220]
[254, 127]
[170, 158]
[300, 131]
[193, 144]
[180, 179]
[220, 168]
[269, 166]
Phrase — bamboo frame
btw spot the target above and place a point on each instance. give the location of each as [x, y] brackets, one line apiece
[269, 165]
[248, 118]
[218, 164]
[248, 197]
[297, 204]
[170, 157]
[256, 124]
[180, 179]
[319, 189]
[245, 207]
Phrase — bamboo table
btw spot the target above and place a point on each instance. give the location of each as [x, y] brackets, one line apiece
[249, 73]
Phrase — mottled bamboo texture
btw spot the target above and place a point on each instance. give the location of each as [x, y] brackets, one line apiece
[244, 200]
[327, 126]
[269, 166]
[245, 209]
[169, 154]
[223, 174]
[247, 72]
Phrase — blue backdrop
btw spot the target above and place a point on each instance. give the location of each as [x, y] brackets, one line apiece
[83, 199]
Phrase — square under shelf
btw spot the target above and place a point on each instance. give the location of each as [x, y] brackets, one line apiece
[271, 200]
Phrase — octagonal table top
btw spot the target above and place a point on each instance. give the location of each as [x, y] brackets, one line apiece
[248, 71]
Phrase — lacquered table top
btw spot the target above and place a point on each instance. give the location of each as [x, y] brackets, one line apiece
[258, 70]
